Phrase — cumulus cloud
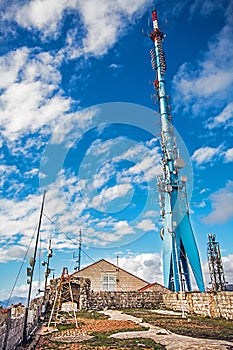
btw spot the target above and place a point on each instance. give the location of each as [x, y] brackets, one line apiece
[206, 154]
[146, 225]
[43, 15]
[31, 97]
[227, 267]
[228, 156]
[147, 166]
[10, 65]
[147, 266]
[207, 6]
[200, 84]
[122, 227]
[223, 118]
[222, 205]
[109, 194]
[99, 23]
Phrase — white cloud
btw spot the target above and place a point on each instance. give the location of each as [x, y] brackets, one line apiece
[10, 65]
[22, 290]
[73, 126]
[204, 190]
[210, 79]
[223, 118]
[111, 193]
[106, 20]
[147, 266]
[228, 156]
[228, 267]
[15, 253]
[147, 166]
[31, 97]
[123, 228]
[222, 204]
[206, 154]
[7, 171]
[151, 213]
[32, 172]
[43, 15]
[104, 175]
[100, 23]
[146, 225]
[205, 7]
[115, 66]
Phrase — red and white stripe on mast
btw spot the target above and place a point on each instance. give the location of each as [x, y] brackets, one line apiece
[155, 20]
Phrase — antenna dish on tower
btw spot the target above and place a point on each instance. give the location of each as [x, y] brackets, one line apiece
[179, 163]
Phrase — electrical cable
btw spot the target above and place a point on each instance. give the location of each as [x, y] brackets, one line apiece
[75, 243]
[20, 269]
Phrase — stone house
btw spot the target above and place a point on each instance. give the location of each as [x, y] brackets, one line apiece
[105, 276]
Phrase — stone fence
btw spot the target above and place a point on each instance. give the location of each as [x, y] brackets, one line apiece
[211, 304]
[123, 299]
[12, 323]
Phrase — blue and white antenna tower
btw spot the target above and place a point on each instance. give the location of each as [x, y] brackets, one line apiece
[180, 250]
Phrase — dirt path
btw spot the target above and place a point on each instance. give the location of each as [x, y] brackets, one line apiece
[170, 340]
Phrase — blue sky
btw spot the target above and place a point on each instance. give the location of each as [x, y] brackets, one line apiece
[77, 119]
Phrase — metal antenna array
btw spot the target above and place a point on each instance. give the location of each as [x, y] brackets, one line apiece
[179, 245]
[78, 261]
[47, 269]
[216, 270]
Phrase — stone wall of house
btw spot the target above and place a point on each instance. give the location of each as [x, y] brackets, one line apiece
[80, 288]
[124, 281]
[211, 304]
[132, 299]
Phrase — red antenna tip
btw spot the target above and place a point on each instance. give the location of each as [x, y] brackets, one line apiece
[154, 15]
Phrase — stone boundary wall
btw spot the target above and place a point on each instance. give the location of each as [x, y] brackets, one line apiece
[124, 299]
[12, 324]
[211, 304]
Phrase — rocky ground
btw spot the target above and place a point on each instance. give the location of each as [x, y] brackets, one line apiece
[120, 331]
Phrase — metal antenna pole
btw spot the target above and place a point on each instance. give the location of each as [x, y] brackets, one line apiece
[79, 253]
[79, 249]
[48, 270]
[32, 263]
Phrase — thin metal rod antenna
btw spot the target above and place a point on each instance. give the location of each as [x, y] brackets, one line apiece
[79, 249]
[79, 252]
[47, 271]
[32, 271]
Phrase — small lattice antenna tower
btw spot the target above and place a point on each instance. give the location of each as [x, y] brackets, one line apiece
[216, 270]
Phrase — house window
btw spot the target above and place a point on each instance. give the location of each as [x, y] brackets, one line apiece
[108, 281]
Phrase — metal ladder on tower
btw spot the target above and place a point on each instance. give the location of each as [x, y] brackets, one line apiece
[63, 294]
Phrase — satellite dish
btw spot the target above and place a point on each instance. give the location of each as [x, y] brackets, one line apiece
[168, 188]
[179, 163]
[31, 262]
[184, 178]
[162, 233]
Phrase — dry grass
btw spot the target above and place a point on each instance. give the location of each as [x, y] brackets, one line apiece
[193, 326]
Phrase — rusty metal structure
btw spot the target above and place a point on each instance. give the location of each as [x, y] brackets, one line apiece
[216, 270]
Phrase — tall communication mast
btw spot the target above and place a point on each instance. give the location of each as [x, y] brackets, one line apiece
[216, 270]
[179, 245]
